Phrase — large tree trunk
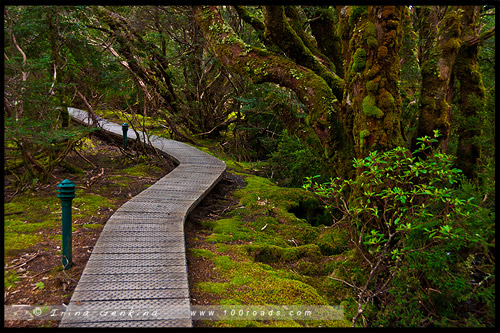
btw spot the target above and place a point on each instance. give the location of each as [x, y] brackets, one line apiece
[441, 31]
[324, 24]
[372, 93]
[471, 98]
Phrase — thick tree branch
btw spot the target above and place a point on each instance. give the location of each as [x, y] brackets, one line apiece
[324, 29]
[283, 35]
[487, 35]
[24, 74]
[89, 107]
[295, 22]
[263, 66]
[251, 19]
[132, 44]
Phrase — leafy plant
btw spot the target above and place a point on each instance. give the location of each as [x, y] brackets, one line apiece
[414, 233]
[293, 160]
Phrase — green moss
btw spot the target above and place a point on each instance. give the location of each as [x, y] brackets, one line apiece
[30, 214]
[260, 286]
[370, 34]
[370, 108]
[88, 204]
[10, 278]
[382, 52]
[372, 86]
[308, 268]
[224, 263]
[272, 254]
[332, 243]
[241, 280]
[228, 230]
[390, 38]
[370, 29]
[15, 242]
[263, 238]
[212, 287]
[364, 133]
[357, 12]
[359, 60]
[92, 226]
[140, 170]
[372, 42]
[373, 71]
[119, 180]
[386, 100]
[202, 253]
[452, 45]
[25, 217]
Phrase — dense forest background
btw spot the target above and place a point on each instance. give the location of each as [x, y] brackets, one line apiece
[389, 110]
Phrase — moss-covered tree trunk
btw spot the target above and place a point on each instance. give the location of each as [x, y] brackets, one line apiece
[324, 26]
[471, 98]
[440, 34]
[372, 93]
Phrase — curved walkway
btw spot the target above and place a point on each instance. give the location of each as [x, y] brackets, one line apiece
[136, 275]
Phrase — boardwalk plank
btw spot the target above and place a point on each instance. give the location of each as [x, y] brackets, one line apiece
[139, 261]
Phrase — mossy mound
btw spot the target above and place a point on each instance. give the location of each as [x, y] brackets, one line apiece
[273, 249]
[274, 254]
[370, 108]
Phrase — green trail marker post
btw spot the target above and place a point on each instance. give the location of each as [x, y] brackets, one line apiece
[125, 130]
[66, 194]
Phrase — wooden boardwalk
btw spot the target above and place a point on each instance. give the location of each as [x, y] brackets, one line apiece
[137, 275]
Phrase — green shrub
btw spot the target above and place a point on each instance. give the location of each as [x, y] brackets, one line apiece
[293, 161]
[426, 242]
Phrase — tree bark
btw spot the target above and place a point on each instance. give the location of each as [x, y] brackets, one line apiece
[471, 94]
[437, 69]
[323, 22]
[372, 93]
[282, 34]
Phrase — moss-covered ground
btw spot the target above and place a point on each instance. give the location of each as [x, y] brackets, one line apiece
[271, 246]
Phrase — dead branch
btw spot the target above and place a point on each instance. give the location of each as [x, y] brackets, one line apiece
[86, 159]
[89, 107]
[23, 263]
[92, 180]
